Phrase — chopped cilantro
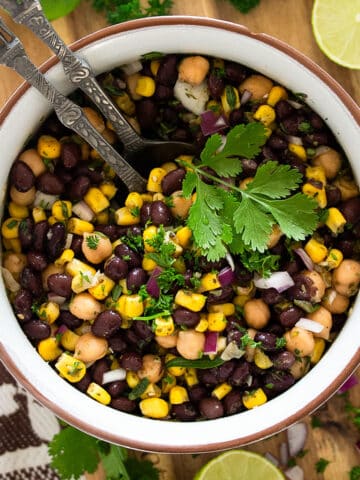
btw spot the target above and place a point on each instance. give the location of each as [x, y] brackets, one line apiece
[135, 242]
[280, 342]
[140, 388]
[92, 241]
[316, 422]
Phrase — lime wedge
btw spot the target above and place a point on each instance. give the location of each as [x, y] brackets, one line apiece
[336, 26]
[239, 465]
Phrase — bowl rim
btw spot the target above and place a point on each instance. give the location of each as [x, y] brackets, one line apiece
[354, 110]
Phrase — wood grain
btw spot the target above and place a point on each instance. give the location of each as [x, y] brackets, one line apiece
[290, 21]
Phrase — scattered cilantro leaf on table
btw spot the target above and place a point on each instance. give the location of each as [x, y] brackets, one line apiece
[321, 464]
[354, 474]
[117, 11]
[244, 6]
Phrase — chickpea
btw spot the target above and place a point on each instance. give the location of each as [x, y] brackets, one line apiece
[22, 198]
[347, 187]
[330, 160]
[84, 306]
[300, 367]
[334, 302]
[95, 119]
[319, 285]
[346, 277]
[180, 205]
[50, 270]
[15, 263]
[299, 341]
[33, 160]
[275, 236]
[324, 317]
[168, 341]
[90, 348]
[96, 247]
[152, 368]
[256, 313]
[190, 344]
[193, 69]
[258, 85]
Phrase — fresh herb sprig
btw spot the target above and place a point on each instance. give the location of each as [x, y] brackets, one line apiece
[238, 219]
[119, 10]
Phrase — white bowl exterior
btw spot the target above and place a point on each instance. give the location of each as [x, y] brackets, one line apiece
[152, 434]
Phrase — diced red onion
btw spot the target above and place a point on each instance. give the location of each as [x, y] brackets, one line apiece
[294, 104]
[310, 325]
[83, 211]
[226, 276]
[351, 382]
[320, 150]
[284, 453]
[131, 68]
[232, 351]
[210, 342]
[230, 261]
[272, 459]
[296, 437]
[61, 330]
[294, 473]
[68, 241]
[245, 97]
[44, 200]
[294, 140]
[309, 264]
[212, 123]
[113, 375]
[53, 297]
[152, 286]
[281, 281]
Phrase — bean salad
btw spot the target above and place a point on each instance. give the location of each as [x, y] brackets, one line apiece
[112, 287]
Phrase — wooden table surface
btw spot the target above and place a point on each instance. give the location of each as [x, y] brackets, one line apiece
[290, 21]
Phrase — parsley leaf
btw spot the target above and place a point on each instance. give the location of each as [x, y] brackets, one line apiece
[321, 465]
[263, 264]
[119, 10]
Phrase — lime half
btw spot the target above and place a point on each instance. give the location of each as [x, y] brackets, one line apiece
[239, 465]
[336, 26]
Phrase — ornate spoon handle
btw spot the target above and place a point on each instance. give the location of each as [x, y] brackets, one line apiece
[79, 72]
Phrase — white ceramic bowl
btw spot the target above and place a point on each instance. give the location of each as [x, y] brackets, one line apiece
[21, 117]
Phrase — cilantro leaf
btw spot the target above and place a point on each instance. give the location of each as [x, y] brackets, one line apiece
[354, 474]
[113, 463]
[321, 465]
[244, 6]
[141, 469]
[189, 184]
[263, 264]
[121, 10]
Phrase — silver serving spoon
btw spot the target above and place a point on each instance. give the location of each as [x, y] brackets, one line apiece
[136, 148]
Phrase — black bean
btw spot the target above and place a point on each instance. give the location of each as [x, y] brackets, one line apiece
[136, 277]
[21, 176]
[94, 176]
[146, 113]
[333, 195]
[22, 305]
[243, 276]
[211, 408]
[185, 317]
[267, 153]
[40, 235]
[271, 296]
[70, 154]
[117, 343]
[115, 389]
[181, 135]
[208, 266]
[162, 92]
[65, 175]
[277, 142]
[290, 316]
[143, 330]
[31, 280]
[110, 230]
[167, 73]
[123, 404]
[76, 245]
[79, 187]
[316, 121]
[303, 289]
[84, 383]
[220, 295]
[145, 216]
[235, 73]
[216, 85]
[197, 392]
[69, 320]
[116, 268]
[293, 266]
[36, 329]
[124, 252]
[351, 210]
[184, 411]
[249, 167]
[106, 324]
[209, 377]
[236, 116]
[60, 283]
[240, 375]
[133, 230]
[279, 381]
[26, 234]
[134, 340]
[225, 370]
[172, 181]
[37, 261]
[56, 238]
[292, 124]
[234, 335]
[315, 139]
[98, 369]
[233, 403]
[346, 246]
[283, 360]
[283, 109]
[160, 213]
[268, 341]
[169, 116]
[48, 182]
[131, 361]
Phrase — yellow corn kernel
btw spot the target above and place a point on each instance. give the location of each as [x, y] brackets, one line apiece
[147, 197]
[15, 245]
[176, 371]
[318, 194]
[68, 340]
[334, 258]
[318, 350]
[48, 147]
[103, 288]
[18, 211]
[125, 216]
[49, 311]
[132, 379]
[10, 228]
[61, 210]
[316, 173]
[155, 179]
[154, 407]
[66, 256]
[52, 220]
[154, 66]
[183, 237]
[190, 300]
[77, 267]
[145, 86]
[115, 364]
[148, 234]
[230, 99]
[203, 324]
[167, 382]
[7, 243]
[169, 166]
[79, 227]
[187, 159]
[221, 390]
[214, 106]
[298, 150]
[178, 395]
[180, 265]
[134, 200]
[209, 281]
[123, 285]
[81, 282]
[217, 321]
[335, 220]
[243, 183]
[148, 264]
[316, 250]
[38, 214]
[265, 114]
[254, 399]
[125, 103]
[163, 326]
[262, 360]
[151, 391]
[226, 308]
[103, 217]
[70, 367]
[108, 189]
[190, 376]
[158, 196]
[96, 200]
[95, 155]
[130, 306]
[98, 393]
[276, 94]
[49, 349]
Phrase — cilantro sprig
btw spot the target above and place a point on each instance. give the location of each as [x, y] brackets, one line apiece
[235, 219]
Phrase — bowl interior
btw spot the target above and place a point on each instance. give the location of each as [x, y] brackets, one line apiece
[104, 51]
